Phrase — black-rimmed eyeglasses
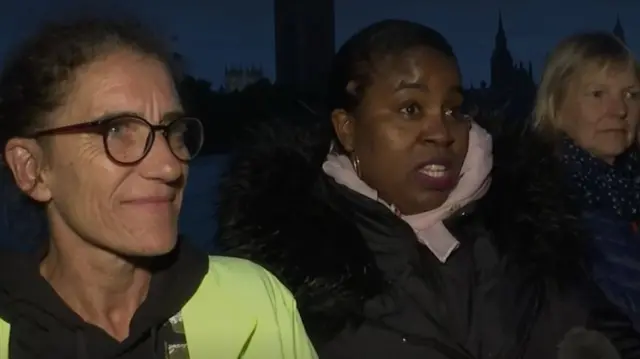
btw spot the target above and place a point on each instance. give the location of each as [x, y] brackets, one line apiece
[128, 139]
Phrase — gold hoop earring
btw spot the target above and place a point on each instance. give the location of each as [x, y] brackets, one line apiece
[355, 162]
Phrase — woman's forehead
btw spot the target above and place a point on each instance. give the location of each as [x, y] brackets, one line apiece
[411, 59]
[423, 79]
[599, 72]
[121, 84]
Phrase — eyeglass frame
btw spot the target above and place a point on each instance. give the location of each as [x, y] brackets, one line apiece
[100, 126]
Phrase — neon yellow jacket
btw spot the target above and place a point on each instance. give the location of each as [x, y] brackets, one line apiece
[240, 311]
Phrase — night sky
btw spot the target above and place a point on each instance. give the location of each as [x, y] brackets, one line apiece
[240, 32]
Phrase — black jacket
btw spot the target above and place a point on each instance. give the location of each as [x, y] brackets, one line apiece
[43, 326]
[367, 289]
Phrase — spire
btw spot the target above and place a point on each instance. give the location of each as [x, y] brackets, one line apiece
[530, 70]
[502, 66]
[501, 37]
[618, 30]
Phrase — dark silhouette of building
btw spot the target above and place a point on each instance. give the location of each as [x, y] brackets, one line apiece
[237, 78]
[506, 75]
[305, 43]
[501, 60]
[512, 87]
[618, 30]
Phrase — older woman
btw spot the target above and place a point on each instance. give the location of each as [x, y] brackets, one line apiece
[93, 131]
[588, 106]
[409, 238]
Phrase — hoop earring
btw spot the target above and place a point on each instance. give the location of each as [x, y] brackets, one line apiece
[333, 147]
[355, 162]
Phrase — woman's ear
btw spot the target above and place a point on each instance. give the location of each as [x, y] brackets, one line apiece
[343, 127]
[25, 159]
[343, 123]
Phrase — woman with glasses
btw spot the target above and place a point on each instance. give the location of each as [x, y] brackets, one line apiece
[94, 133]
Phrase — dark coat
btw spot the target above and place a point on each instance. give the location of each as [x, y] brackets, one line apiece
[615, 259]
[366, 289]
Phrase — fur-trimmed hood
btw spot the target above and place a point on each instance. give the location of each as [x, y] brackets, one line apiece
[270, 213]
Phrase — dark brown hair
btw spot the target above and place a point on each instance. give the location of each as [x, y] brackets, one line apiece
[35, 80]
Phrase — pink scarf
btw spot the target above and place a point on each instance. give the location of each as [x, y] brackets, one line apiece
[428, 227]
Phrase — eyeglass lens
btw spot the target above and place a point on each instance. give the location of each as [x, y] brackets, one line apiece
[129, 138]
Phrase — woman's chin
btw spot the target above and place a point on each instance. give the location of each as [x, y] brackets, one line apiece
[424, 201]
[153, 246]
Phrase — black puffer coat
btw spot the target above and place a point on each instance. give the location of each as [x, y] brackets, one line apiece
[367, 289]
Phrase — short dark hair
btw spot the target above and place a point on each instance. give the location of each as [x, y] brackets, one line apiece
[35, 80]
[358, 56]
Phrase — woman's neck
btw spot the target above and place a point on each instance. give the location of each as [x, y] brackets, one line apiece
[101, 287]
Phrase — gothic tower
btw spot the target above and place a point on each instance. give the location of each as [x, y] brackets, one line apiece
[305, 43]
[618, 30]
[501, 60]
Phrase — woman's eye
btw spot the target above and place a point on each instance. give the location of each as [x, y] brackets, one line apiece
[630, 95]
[456, 113]
[115, 129]
[125, 127]
[410, 110]
[597, 93]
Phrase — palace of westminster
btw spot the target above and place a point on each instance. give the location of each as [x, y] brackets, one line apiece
[305, 45]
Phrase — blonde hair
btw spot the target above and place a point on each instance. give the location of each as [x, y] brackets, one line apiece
[568, 60]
